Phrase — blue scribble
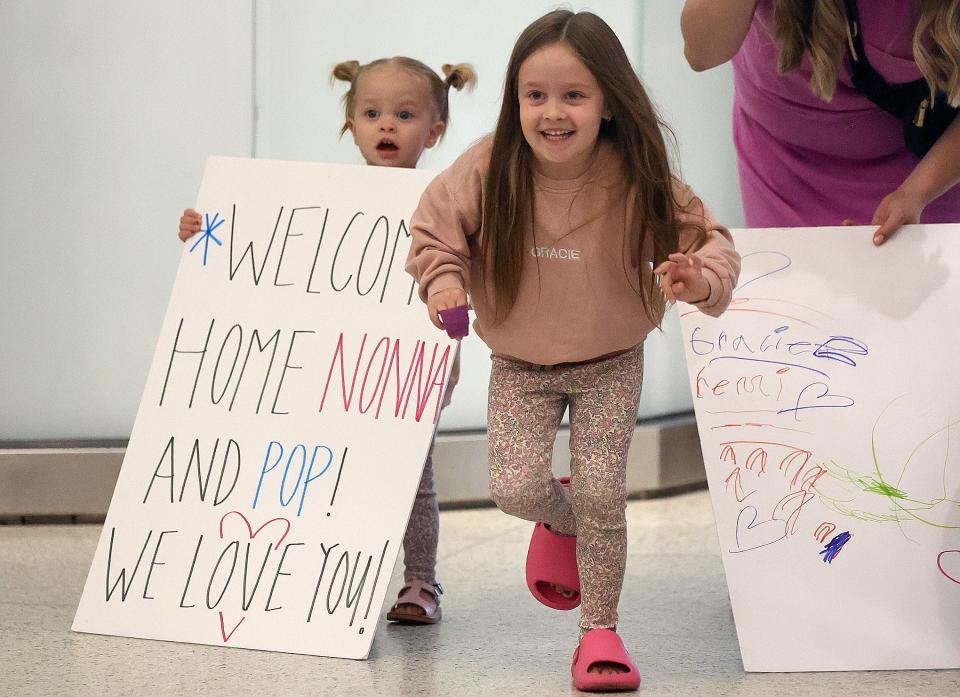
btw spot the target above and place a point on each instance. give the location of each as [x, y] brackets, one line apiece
[210, 226]
[833, 547]
[837, 348]
[744, 283]
[752, 535]
[840, 401]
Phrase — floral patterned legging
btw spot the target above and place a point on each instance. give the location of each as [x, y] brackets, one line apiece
[423, 531]
[526, 405]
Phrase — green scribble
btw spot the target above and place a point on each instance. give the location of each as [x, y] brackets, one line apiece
[902, 507]
[882, 488]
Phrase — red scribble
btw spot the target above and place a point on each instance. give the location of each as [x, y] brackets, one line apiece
[827, 528]
[794, 452]
[737, 485]
[805, 494]
[223, 629]
[794, 466]
[250, 527]
[745, 411]
[787, 461]
[753, 425]
[940, 564]
[737, 301]
[759, 455]
[759, 312]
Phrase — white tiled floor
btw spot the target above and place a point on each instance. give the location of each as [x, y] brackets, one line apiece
[494, 640]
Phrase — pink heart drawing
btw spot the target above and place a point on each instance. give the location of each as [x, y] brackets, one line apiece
[252, 533]
[948, 561]
[753, 535]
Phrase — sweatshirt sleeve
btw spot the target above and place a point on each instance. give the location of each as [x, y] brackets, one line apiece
[721, 262]
[448, 216]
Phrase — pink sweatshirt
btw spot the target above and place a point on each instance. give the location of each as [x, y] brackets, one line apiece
[578, 297]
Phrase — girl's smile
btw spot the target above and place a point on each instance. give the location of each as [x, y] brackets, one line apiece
[561, 109]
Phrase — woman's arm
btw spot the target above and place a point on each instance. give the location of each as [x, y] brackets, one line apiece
[713, 30]
[938, 171]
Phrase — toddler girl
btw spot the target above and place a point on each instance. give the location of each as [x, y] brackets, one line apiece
[395, 109]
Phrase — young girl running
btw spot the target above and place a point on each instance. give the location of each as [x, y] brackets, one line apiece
[395, 109]
[570, 235]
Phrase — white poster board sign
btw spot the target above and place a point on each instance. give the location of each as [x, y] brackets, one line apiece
[285, 421]
[828, 403]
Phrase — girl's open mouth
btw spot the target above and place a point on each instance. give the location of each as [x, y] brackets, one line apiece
[387, 145]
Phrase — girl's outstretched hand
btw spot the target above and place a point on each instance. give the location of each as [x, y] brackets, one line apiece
[189, 224]
[681, 278]
[444, 300]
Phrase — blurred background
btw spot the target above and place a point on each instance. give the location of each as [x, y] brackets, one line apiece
[111, 107]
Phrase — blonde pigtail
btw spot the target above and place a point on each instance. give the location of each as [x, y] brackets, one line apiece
[346, 71]
[459, 76]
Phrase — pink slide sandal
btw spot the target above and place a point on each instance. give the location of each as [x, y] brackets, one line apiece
[552, 559]
[603, 646]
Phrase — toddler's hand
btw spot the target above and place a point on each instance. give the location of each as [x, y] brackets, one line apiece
[682, 278]
[444, 300]
[189, 224]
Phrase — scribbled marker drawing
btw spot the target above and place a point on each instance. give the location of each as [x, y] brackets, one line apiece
[824, 531]
[833, 547]
[738, 490]
[876, 497]
[948, 561]
[762, 264]
[209, 227]
[753, 534]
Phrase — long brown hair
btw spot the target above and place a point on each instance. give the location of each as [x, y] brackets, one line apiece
[456, 76]
[635, 130]
[818, 28]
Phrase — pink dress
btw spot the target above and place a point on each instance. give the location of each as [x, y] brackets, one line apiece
[807, 162]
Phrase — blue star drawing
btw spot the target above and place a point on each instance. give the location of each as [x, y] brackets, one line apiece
[209, 227]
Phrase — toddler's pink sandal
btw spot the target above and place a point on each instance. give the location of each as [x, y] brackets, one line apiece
[412, 594]
[552, 559]
[603, 646]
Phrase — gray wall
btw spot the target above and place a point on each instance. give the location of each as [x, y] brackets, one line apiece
[109, 109]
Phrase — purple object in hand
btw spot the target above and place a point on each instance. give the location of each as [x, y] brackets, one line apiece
[456, 321]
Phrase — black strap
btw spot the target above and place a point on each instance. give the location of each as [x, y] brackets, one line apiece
[900, 99]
